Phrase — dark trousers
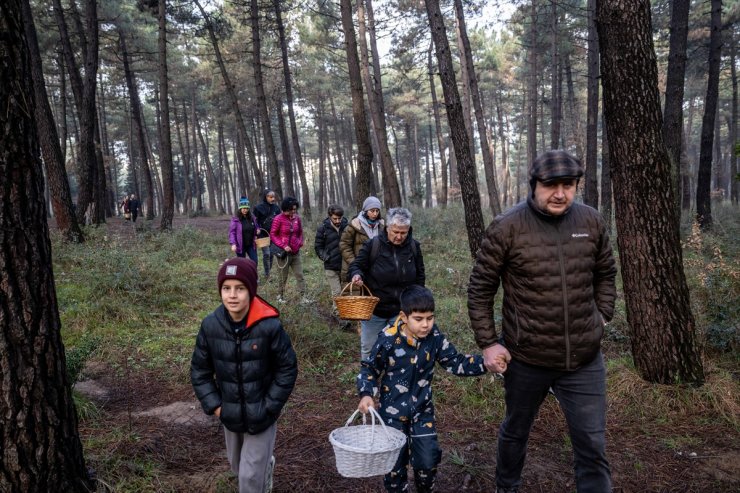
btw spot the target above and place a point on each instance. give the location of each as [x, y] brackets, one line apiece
[424, 454]
[251, 253]
[267, 259]
[582, 397]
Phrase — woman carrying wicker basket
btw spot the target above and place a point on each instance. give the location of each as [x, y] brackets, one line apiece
[388, 264]
[400, 368]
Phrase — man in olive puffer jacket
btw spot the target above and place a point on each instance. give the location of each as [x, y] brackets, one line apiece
[555, 263]
[243, 370]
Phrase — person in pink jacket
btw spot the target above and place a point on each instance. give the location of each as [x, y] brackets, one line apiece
[287, 235]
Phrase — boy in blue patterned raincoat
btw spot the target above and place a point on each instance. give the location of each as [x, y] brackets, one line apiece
[400, 367]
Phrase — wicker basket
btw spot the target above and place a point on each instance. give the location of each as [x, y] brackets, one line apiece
[365, 450]
[355, 307]
[263, 242]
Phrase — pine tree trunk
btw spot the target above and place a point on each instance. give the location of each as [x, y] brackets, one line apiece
[674, 91]
[472, 81]
[343, 171]
[210, 177]
[734, 176]
[391, 192]
[663, 331]
[465, 162]
[591, 188]
[231, 93]
[442, 199]
[532, 86]
[259, 86]
[287, 162]
[165, 143]
[305, 199]
[704, 179]
[56, 172]
[39, 438]
[555, 78]
[364, 176]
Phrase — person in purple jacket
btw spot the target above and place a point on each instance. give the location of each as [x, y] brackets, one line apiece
[243, 231]
[287, 235]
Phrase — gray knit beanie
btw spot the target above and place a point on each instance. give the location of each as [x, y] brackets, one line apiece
[370, 203]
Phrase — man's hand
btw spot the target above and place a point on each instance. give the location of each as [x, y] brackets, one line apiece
[356, 279]
[217, 412]
[365, 404]
[496, 358]
[233, 248]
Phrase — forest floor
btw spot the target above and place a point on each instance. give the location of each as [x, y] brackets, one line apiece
[148, 433]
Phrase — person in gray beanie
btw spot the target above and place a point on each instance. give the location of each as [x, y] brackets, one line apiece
[554, 260]
[365, 226]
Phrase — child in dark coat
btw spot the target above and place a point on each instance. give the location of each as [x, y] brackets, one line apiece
[401, 368]
[243, 370]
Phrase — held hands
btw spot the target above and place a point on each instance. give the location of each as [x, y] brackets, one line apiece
[496, 358]
[217, 412]
[356, 279]
[365, 404]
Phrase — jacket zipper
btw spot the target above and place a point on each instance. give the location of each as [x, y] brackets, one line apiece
[239, 378]
[564, 288]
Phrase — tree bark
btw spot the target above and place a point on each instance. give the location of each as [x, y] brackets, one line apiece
[210, 177]
[704, 179]
[391, 192]
[465, 162]
[285, 150]
[591, 187]
[259, 87]
[56, 172]
[364, 176]
[84, 93]
[674, 91]
[306, 199]
[663, 331]
[532, 86]
[472, 81]
[555, 78]
[442, 199]
[734, 176]
[38, 425]
[165, 143]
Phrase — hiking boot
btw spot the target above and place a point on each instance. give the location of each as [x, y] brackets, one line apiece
[268, 478]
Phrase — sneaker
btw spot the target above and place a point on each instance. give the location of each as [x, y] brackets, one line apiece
[281, 300]
[268, 478]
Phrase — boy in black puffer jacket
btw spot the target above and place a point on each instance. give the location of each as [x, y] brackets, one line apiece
[243, 370]
[326, 247]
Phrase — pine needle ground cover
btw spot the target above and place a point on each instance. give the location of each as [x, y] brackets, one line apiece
[131, 301]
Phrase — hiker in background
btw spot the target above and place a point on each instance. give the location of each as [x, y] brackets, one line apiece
[326, 247]
[365, 226]
[133, 205]
[287, 240]
[125, 208]
[243, 370]
[553, 258]
[400, 370]
[243, 231]
[265, 212]
[388, 264]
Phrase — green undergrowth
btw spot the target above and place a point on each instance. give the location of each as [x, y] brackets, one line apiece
[136, 304]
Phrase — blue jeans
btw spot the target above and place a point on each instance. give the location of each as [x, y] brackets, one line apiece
[251, 253]
[369, 334]
[582, 397]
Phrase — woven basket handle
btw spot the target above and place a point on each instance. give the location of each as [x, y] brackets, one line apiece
[373, 415]
[268, 233]
[350, 284]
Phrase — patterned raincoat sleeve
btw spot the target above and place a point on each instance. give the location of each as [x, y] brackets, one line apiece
[458, 364]
[371, 369]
